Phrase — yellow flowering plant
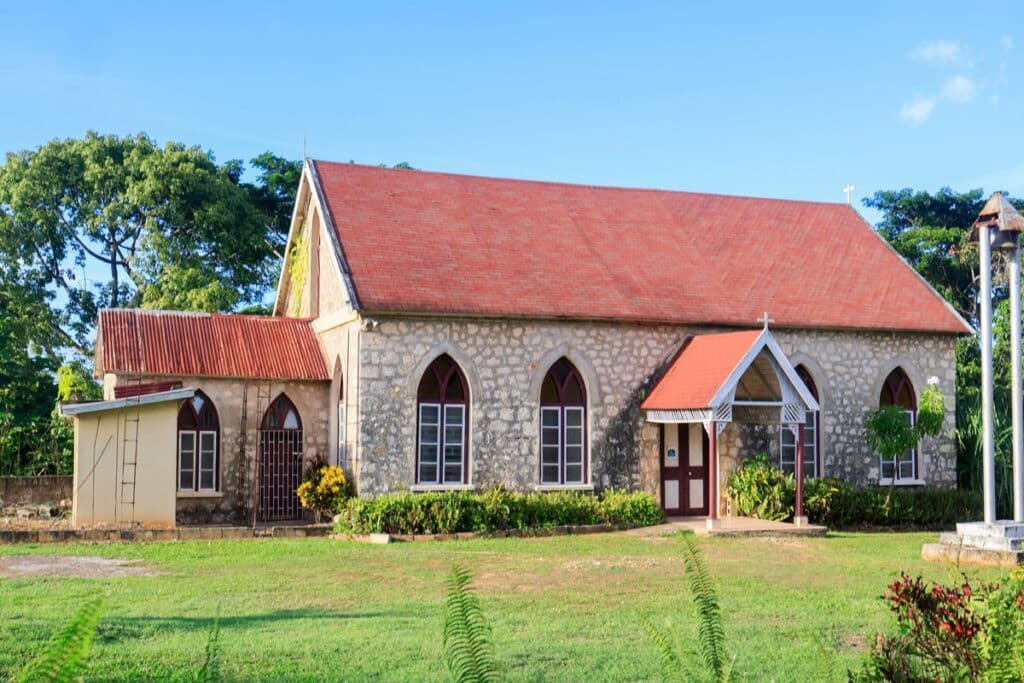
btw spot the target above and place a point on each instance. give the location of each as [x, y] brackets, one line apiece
[324, 489]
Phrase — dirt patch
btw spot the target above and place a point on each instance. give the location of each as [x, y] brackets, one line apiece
[76, 566]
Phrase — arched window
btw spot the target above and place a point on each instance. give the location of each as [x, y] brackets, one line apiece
[281, 415]
[198, 445]
[812, 442]
[442, 408]
[563, 420]
[280, 464]
[897, 390]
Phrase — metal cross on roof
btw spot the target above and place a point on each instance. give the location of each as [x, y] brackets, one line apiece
[765, 319]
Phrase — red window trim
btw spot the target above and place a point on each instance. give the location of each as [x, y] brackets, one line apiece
[435, 368]
[560, 388]
[892, 387]
[196, 429]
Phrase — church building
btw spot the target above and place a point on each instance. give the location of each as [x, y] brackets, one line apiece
[434, 331]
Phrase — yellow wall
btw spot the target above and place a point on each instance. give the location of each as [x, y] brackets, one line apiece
[99, 455]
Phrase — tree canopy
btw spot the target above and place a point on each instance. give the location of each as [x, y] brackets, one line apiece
[108, 221]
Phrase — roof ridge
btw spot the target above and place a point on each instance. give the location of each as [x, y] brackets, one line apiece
[591, 186]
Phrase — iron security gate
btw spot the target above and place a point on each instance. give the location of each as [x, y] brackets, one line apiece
[280, 465]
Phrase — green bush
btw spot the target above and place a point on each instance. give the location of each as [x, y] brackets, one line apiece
[621, 507]
[495, 509]
[760, 490]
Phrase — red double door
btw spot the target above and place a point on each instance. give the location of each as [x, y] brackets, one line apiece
[684, 469]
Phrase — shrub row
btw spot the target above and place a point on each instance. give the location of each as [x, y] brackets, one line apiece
[758, 489]
[492, 510]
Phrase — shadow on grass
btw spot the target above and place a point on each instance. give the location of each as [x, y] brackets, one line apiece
[113, 628]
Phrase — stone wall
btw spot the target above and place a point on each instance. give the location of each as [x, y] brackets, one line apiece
[42, 490]
[505, 362]
[231, 503]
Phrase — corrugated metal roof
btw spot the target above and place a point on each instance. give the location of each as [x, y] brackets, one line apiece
[100, 406]
[207, 345]
[422, 242]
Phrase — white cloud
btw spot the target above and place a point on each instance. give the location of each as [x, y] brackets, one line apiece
[959, 89]
[1007, 43]
[917, 112]
[939, 52]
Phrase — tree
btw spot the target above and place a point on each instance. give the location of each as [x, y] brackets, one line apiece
[932, 232]
[168, 226]
[273, 193]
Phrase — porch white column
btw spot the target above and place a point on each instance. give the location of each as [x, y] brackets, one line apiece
[798, 515]
[713, 504]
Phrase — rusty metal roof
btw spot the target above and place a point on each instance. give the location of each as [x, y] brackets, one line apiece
[999, 213]
[140, 342]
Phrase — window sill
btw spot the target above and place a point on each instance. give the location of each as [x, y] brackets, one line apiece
[423, 488]
[565, 487]
[902, 482]
[200, 494]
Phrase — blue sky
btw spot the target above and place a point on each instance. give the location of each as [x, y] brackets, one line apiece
[773, 99]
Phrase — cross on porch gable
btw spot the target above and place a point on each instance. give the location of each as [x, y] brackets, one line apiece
[765, 319]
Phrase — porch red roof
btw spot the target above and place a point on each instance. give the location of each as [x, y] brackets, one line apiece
[699, 371]
[204, 344]
[422, 242]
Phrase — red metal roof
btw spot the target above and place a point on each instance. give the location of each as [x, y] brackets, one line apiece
[204, 344]
[700, 370]
[440, 243]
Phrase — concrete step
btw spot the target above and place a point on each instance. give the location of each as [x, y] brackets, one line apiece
[998, 529]
[984, 542]
[945, 552]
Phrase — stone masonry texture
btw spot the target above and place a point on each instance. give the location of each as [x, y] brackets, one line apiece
[505, 360]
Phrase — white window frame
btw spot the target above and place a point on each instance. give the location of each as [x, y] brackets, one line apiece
[557, 412]
[787, 463]
[342, 451]
[199, 470]
[436, 444]
[195, 452]
[896, 462]
[563, 462]
[443, 475]
[441, 446]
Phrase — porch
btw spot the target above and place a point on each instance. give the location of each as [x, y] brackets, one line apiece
[714, 381]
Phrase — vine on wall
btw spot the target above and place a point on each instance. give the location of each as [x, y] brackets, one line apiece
[298, 273]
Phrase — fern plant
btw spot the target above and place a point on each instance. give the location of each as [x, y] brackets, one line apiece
[670, 666]
[468, 650]
[710, 628]
[64, 657]
[210, 671]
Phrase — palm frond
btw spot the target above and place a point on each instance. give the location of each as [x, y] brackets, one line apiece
[710, 629]
[468, 650]
[64, 657]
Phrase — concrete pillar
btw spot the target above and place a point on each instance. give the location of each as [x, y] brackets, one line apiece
[1015, 363]
[988, 445]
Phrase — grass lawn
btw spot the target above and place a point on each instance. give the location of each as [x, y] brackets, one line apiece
[315, 609]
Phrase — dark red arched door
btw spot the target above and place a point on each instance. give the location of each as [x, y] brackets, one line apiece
[280, 467]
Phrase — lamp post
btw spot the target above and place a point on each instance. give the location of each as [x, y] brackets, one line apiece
[998, 227]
